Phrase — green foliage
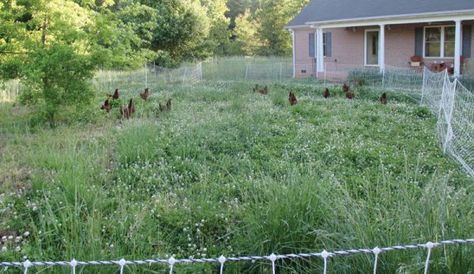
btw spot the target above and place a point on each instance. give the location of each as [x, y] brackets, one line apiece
[260, 27]
[218, 41]
[57, 77]
[181, 27]
[247, 40]
[122, 39]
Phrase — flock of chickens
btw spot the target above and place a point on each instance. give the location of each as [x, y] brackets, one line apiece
[126, 111]
[326, 94]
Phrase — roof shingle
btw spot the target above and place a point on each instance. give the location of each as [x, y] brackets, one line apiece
[326, 10]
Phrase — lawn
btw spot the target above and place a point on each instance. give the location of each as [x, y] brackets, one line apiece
[230, 172]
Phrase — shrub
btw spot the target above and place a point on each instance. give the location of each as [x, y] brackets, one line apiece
[57, 77]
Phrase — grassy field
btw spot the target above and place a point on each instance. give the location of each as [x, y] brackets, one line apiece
[230, 172]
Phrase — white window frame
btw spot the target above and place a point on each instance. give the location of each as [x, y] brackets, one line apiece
[365, 47]
[442, 27]
[316, 45]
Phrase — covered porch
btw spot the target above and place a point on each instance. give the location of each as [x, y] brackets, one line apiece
[438, 42]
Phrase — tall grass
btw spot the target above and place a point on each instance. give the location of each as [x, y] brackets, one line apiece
[231, 172]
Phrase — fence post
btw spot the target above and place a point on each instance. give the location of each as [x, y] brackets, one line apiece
[449, 133]
[246, 70]
[383, 79]
[281, 70]
[443, 93]
[200, 71]
[146, 76]
[423, 86]
[184, 74]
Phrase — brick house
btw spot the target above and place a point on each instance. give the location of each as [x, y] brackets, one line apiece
[331, 35]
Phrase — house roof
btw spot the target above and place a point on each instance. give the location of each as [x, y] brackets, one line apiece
[331, 10]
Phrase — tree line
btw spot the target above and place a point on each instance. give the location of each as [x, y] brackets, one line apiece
[127, 32]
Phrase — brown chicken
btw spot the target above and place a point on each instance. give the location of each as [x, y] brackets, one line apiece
[116, 94]
[106, 106]
[292, 98]
[145, 94]
[345, 88]
[162, 107]
[349, 95]
[168, 105]
[383, 99]
[263, 91]
[131, 107]
[128, 110]
[326, 93]
[124, 112]
[255, 89]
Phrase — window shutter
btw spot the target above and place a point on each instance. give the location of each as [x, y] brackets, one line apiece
[311, 45]
[466, 41]
[328, 44]
[419, 41]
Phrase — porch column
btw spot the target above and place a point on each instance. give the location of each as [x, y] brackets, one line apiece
[319, 50]
[294, 52]
[457, 49]
[381, 56]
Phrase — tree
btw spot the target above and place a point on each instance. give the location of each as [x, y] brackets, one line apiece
[247, 41]
[122, 39]
[57, 77]
[273, 17]
[181, 28]
[218, 41]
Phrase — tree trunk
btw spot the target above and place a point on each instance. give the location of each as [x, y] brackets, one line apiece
[44, 28]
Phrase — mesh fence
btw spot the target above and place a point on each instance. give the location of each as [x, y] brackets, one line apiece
[149, 75]
[393, 78]
[279, 71]
[452, 102]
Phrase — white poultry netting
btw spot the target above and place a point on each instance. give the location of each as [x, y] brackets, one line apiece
[452, 103]
[448, 99]
[271, 71]
[149, 75]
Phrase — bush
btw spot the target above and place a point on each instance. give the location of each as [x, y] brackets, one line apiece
[57, 77]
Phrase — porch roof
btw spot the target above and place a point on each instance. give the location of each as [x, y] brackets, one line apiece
[339, 13]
